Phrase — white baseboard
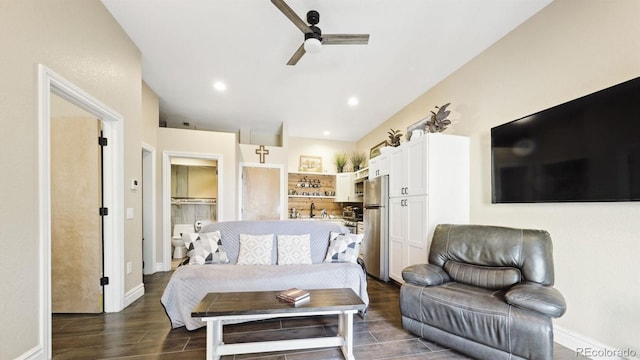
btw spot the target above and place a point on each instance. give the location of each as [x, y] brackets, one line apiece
[590, 348]
[133, 295]
[159, 267]
[35, 353]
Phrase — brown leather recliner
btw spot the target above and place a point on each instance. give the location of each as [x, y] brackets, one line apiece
[486, 292]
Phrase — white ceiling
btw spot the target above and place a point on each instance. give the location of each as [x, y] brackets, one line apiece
[187, 45]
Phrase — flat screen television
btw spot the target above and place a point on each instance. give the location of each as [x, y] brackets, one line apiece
[587, 149]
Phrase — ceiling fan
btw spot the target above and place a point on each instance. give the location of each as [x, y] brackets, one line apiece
[313, 38]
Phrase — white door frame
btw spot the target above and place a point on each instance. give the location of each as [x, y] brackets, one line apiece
[166, 197]
[113, 187]
[283, 187]
[148, 209]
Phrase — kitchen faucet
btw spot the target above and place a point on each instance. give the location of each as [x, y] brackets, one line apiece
[311, 214]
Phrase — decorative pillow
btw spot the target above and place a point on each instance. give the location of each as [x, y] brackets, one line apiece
[343, 247]
[205, 248]
[255, 249]
[294, 249]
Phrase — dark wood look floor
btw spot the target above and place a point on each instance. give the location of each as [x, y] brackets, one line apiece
[143, 332]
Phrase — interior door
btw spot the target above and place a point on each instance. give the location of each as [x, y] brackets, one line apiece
[261, 193]
[76, 225]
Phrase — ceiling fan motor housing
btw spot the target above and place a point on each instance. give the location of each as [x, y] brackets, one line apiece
[316, 34]
[313, 17]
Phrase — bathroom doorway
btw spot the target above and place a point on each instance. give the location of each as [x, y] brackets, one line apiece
[192, 193]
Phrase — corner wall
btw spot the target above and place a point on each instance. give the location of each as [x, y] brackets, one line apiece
[77, 39]
[569, 49]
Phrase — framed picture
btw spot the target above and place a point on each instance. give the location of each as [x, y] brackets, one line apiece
[375, 151]
[310, 163]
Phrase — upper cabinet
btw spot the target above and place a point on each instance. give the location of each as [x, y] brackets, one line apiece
[408, 165]
[379, 165]
[344, 187]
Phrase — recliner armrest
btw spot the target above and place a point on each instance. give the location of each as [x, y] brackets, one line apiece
[425, 275]
[540, 298]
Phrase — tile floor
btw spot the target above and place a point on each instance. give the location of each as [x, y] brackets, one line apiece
[142, 332]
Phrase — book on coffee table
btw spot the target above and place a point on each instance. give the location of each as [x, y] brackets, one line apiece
[293, 295]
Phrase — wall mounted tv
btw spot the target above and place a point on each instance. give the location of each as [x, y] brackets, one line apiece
[587, 149]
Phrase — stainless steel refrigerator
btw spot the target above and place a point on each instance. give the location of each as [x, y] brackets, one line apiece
[375, 243]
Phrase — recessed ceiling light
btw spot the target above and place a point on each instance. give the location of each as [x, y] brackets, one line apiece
[353, 101]
[220, 86]
[326, 133]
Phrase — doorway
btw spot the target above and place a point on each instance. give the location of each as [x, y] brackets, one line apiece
[76, 197]
[148, 183]
[191, 192]
[261, 196]
[113, 189]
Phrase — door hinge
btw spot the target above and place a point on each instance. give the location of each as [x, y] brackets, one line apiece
[104, 211]
[102, 141]
[104, 281]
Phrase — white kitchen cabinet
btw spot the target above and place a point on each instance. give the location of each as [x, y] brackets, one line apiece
[379, 166]
[408, 164]
[407, 233]
[428, 185]
[344, 187]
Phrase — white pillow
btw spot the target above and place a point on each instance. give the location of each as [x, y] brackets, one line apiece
[294, 249]
[205, 248]
[255, 249]
[343, 247]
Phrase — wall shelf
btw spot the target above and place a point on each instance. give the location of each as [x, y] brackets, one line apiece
[312, 196]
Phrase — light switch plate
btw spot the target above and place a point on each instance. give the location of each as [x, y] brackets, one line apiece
[129, 213]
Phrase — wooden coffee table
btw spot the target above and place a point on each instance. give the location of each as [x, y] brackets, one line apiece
[254, 305]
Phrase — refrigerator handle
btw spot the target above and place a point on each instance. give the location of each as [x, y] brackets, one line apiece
[374, 207]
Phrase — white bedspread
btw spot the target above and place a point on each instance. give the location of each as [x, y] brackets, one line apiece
[190, 283]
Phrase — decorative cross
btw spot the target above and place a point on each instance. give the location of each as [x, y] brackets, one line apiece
[262, 152]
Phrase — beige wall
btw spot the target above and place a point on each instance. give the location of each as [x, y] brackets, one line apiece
[569, 49]
[317, 147]
[79, 40]
[150, 115]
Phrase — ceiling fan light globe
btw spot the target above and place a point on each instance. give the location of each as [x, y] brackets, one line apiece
[312, 45]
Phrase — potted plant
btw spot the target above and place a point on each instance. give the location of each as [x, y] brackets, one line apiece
[394, 137]
[357, 160]
[439, 122]
[340, 159]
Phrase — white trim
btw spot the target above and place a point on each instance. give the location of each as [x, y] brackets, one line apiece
[134, 294]
[50, 82]
[283, 187]
[149, 209]
[159, 266]
[35, 353]
[579, 342]
[166, 197]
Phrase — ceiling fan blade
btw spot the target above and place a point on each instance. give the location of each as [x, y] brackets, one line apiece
[345, 39]
[295, 19]
[297, 55]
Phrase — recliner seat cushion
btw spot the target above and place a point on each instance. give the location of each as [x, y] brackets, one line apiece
[480, 315]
